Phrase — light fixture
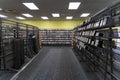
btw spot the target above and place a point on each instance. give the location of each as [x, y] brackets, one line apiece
[27, 15]
[69, 17]
[18, 17]
[44, 17]
[31, 6]
[74, 5]
[1, 9]
[55, 14]
[85, 14]
[3, 16]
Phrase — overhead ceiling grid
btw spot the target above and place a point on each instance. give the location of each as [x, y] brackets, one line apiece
[51, 9]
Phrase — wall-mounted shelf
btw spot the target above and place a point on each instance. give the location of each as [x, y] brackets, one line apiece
[97, 41]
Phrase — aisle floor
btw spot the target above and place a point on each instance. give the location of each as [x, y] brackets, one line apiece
[54, 63]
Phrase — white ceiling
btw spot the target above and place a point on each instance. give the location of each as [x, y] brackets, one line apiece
[13, 8]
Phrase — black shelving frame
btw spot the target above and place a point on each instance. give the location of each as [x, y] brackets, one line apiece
[99, 58]
[10, 30]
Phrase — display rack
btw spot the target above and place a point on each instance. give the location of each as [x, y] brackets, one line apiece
[56, 37]
[73, 36]
[97, 42]
[12, 34]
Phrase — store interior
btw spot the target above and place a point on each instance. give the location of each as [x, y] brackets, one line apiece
[59, 40]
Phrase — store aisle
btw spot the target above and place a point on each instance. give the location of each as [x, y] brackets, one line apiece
[53, 63]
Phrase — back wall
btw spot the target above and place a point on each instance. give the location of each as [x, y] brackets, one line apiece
[52, 24]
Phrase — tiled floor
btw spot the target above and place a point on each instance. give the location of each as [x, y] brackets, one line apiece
[6, 75]
[55, 63]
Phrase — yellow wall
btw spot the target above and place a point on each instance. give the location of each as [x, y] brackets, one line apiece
[52, 24]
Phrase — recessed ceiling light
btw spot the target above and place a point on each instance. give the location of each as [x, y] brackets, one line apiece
[27, 15]
[1, 9]
[31, 6]
[55, 14]
[69, 17]
[85, 14]
[44, 17]
[3, 16]
[74, 5]
[20, 18]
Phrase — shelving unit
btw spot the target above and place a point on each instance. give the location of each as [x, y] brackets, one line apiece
[97, 42]
[9, 32]
[56, 37]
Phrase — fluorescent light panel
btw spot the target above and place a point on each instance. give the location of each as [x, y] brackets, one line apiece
[55, 14]
[85, 14]
[44, 17]
[74, 5]
[1, 9]
[3, 16]
[69, 17]
[20, 18]
[31, 6]
[27, 15]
